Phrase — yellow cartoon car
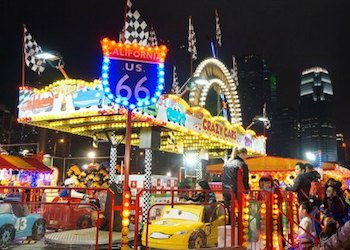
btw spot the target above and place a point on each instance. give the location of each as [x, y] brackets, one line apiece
[185, 227]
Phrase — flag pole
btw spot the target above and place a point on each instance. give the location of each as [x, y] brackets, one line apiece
[191, 52]
[23, 57]
[216, 40]
[125, 13]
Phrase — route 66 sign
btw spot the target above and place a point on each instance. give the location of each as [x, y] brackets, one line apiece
[132, 75]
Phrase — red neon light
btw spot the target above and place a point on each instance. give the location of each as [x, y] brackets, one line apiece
[134, 51]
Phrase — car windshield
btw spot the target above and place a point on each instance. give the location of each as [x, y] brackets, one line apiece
[5, 208]
[175, 213]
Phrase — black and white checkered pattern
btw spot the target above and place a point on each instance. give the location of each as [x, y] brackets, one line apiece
[192, 40]
[135, 29]
[152, 39]
[217, 28]
[113, 162]
[148, 183]
[31, 48]
[199, 169]
[175, 88]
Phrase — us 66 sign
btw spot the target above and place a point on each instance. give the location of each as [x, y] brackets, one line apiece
[132, 75]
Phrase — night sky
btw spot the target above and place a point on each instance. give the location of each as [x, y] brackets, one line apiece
[290, 35]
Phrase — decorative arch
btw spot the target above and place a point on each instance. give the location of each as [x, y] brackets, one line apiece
[216, 73]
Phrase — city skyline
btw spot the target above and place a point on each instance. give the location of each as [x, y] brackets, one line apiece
[291, 36]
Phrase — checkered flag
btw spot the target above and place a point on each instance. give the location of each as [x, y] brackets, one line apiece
[152, 39]
[175, 88]
[217, 29]
[135, 28]
[191, 40]
[31, 48]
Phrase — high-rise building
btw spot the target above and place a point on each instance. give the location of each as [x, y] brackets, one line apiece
[318, 130]
[283, 139]
[253, 88]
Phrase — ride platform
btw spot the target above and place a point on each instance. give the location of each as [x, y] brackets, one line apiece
[82, 238]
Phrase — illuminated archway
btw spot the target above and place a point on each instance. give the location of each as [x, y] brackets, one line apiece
[217, 74]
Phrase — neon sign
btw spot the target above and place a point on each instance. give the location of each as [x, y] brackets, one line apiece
[218, 129]
[132, 75]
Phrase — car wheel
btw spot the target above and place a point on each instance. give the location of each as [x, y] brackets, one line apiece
[84, 221]
[197, 240]
[7, 235]
[39, 229]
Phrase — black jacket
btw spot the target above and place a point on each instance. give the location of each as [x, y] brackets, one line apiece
[302, 185]
[229, 174]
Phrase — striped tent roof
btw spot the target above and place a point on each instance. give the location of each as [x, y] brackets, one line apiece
[21, 163]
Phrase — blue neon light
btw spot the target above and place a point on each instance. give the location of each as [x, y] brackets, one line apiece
[132, 83]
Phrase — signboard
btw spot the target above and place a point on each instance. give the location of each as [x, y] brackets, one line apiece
[132, 75]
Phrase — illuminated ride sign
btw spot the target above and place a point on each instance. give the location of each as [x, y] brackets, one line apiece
[218, 129]
[132, 75]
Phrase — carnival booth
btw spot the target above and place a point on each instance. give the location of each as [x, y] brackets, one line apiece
[282, 169]
[25, 172]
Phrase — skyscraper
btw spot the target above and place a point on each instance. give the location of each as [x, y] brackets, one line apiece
[318, 131]
[283, 139]
[253, 88]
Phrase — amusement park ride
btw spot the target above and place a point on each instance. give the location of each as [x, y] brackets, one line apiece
[127, 104]
[129, 99]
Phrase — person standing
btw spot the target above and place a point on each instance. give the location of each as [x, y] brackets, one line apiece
[235, 175]
[302, 183]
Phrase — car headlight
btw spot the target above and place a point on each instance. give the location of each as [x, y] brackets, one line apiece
[181, 232]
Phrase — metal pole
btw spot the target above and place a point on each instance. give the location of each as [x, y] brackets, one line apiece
[127, 151]
[148, 183]
[126, 193]
[113, 160]
[23, 58]
[64, 168]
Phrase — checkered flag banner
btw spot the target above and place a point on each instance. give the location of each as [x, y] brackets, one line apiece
[191, 40]
[135, 28]
[31, 48]
[152, 39]
[217, 29]
[175, 88]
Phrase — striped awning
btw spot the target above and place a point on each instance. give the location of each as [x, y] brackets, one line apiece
[22, 163]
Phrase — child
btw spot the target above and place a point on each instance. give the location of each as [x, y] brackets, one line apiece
[69, 183]
[330, 227]
[203, 196]
[306, 228]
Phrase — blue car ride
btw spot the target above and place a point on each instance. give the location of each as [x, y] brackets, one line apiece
[89, 97]
[17, 222]
[176, 114]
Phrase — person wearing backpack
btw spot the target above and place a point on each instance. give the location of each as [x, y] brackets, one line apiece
[316, 189]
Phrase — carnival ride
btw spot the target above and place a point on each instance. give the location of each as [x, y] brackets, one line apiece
[185, 226]
[17, 222]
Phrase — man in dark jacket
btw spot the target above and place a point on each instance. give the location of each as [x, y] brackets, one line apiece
[302, 183]
[235, 175]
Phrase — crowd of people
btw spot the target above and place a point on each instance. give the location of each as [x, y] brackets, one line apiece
[324, 206]
[324, 209]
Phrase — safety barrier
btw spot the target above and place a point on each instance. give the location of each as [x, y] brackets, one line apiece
[55, 211]
[263, 220]
[258, 219]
